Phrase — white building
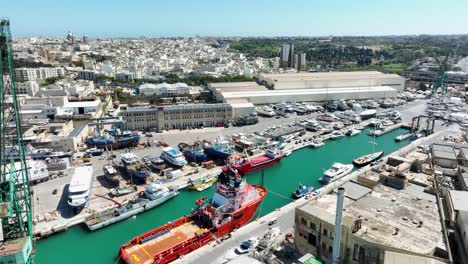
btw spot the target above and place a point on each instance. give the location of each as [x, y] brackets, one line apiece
[321, 80]
[30, 88]
[310, 87]
[31, 74]
[168, 90]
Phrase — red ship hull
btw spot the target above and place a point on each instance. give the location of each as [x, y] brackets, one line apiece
[137, 251]
[256, 163]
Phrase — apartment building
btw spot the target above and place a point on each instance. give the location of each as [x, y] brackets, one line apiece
[31, 74]
[30, 88]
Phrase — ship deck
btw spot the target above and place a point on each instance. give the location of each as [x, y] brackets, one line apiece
[146, 251]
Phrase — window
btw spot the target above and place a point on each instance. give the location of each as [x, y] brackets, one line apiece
[312, 239]
[355, 252]
[312, 226]
[325, 232]
[303, 221]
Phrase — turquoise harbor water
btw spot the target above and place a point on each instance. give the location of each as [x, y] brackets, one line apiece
[78, 245]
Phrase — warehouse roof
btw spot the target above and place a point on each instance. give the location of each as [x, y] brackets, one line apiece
[237, 87]
[444, 152]
[266, 92]
[459, 199]
[355, 191]
[311, 76]
[390, 217]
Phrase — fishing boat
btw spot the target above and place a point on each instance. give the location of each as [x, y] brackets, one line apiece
[248, 165]
[301, 191]
[234, 204]
[219, 149]
[110, 173]
[79, 190]
[157, 163]
[113, 138]
[195, 152]
[204, 186]
[337, 135]
[134, 166]
[337, 171]
[173, 156]
[153, 196]
[367, 159]
[202, 181]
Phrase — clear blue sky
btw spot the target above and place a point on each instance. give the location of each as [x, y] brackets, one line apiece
[168, 18]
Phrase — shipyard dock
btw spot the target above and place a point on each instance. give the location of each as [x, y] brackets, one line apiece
[53, 215]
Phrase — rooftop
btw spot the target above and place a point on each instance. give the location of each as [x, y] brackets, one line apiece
[385, 210]
[442, 151]
[459, 199]
[311, 76]
[237, 87]
[265, 92]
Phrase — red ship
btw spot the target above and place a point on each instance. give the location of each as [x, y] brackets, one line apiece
[234, 204]
[248, 165]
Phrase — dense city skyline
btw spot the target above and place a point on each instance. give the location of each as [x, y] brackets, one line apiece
[242, 18]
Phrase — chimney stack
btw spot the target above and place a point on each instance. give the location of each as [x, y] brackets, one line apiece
[338, 221]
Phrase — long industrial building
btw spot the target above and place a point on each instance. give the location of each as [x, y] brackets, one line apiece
[310, 87]
[158, 118]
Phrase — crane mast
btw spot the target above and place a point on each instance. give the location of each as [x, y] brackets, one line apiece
[16, 237]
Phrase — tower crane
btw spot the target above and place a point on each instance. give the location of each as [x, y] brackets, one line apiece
[16, 226]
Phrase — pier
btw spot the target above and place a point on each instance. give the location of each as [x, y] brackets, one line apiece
[403, 137]
[381, 132]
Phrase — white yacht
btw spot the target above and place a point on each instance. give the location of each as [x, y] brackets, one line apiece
[173, 156]
[336, 135]
[316, 143]
[79, 189]
[337, 171]
[352, 132]
[349, 115]
[265, 111]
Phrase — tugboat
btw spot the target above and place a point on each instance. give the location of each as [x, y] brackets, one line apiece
[301, 191]
[234, 204]
[219, 149]
[248, 165]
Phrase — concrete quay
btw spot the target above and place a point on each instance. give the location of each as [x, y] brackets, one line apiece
[215, 251]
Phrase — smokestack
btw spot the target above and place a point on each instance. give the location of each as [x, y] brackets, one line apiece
[338, 222]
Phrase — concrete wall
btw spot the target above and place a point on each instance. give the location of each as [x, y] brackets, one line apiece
[332, 94]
